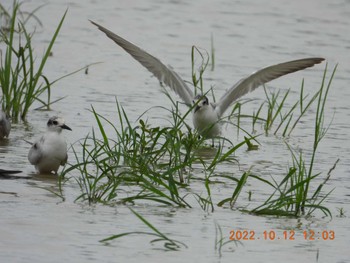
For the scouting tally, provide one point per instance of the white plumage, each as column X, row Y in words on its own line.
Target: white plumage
column 207, row 115
column 50, row 151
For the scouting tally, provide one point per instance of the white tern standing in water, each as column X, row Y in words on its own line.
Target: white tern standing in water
column 50, row 151
column 5, row 125
column 206, row 115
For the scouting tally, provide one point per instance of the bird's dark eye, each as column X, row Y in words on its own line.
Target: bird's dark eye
column 55, row 122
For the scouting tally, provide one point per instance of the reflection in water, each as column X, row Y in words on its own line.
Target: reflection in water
column 12, row 176
column 3, row 144
column 206, row 152
column 48, row 178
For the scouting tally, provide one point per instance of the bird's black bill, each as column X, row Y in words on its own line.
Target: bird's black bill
column 64, row 126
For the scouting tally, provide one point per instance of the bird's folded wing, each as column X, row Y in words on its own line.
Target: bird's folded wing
column 261, row 77
column 5, row 125
column 163, row 73
column 35, row 154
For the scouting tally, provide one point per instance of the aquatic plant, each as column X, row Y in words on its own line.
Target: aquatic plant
column 169, row 244
column 25, row 16
column 97, row 180
column 288, row 118
column 341, row 212
column 155, row 161
column 137, row 156
column 220, row 240
column 21, row 82
column 292, row 196
column 212, row 53
column 197, row 81
column 143, row 163
column 237, row 190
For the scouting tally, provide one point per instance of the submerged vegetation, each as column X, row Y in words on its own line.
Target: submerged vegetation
column 169, row 243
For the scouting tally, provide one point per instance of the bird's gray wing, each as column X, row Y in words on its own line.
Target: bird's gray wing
column 163, row 73
column 5, row 125
column 35, row 153
column 261, row 77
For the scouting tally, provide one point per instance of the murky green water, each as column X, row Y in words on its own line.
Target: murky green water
column 37, row 226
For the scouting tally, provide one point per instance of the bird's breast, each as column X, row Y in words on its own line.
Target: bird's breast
column 206, row 121
column 54, row 145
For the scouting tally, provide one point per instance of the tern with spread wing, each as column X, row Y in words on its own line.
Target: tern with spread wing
column 206, row 115
column 50, row 151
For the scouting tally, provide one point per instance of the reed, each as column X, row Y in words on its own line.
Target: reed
column 22, row 83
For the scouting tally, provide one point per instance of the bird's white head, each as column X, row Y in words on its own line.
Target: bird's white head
column 199, row 102
column 57, row 124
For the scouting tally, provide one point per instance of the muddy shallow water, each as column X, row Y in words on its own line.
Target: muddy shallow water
column 38, row 226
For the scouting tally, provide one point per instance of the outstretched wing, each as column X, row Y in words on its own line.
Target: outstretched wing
column 261, row 77
column 163, row 73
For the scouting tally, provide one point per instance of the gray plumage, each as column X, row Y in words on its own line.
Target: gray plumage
column 208, row 114
column 5, row 125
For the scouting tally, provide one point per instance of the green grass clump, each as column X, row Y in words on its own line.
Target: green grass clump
column 21, row 82
column 151, row 159
column 293, row 196
column 155, row 162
